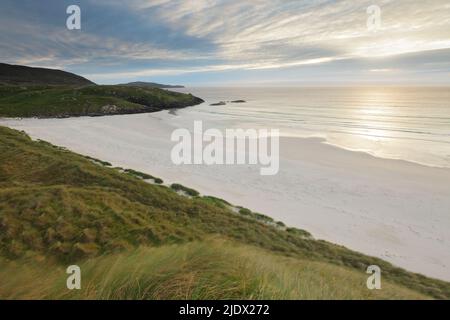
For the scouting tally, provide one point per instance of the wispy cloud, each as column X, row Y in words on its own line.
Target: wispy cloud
column 147, row 38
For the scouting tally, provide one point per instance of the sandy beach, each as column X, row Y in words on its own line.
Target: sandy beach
column 392, row 209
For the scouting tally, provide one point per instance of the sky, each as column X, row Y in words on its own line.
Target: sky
column 234, row 42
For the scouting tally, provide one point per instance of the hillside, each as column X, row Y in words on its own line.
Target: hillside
column 65, row 101
column 23, row 75
column 150, row 85
column 135, row 239
column 47, row 93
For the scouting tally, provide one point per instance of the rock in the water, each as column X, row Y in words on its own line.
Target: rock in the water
column 221, row 103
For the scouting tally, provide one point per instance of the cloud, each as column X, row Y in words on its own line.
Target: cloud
column 280, row 30
column 144, row 38
column 210, row 68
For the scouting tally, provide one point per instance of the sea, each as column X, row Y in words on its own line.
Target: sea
column 407, row 123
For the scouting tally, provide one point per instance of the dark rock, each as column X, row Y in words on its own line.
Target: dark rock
column 221, row 103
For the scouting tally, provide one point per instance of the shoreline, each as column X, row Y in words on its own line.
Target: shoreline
column 392, row 209
column 173, row 112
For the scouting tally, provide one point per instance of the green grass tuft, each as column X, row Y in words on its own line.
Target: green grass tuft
column 144, row 176
column 188, row 191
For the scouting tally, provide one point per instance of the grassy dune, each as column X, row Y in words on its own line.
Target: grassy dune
column 138, row 240
column 214, row 269
column 93, row 100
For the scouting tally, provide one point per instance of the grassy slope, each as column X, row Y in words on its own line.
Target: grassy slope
column 64, row 101
column 23, row 75
column 213, row 269
column 57, row 207
column 150, row 85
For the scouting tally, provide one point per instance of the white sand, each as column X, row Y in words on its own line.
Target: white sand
column 392, row 209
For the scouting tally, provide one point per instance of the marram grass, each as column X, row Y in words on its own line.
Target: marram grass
column 213, row 269
column 58, row 208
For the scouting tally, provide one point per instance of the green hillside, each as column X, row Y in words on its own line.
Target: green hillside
column 63, row 101
column 135, row 239
column 23, row 75
column 48, row 93
column 150, row 85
